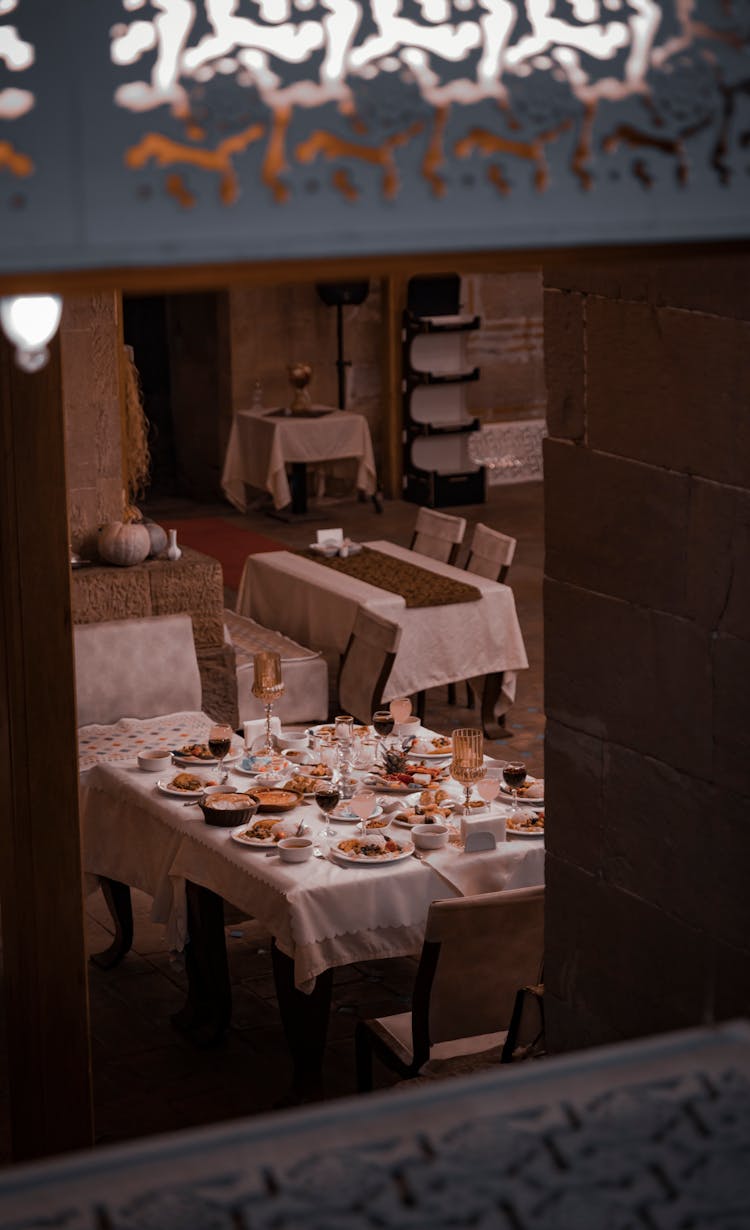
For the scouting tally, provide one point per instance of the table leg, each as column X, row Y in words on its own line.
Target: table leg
column 120, row 906
column 207, row 1013
column 298, row 486
column 305, row 1020
column 494, row 727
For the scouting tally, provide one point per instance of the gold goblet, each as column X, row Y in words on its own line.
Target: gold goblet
column 299, row 378
column 268, row 686
column 467, row 765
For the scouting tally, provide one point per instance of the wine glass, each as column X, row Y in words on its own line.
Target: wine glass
column 467, row 765
column 327, row 796
column 363, row 805
column 219, row 745
column 268, row 686
column 514, row 775
column 488, row 789
column 382, row 724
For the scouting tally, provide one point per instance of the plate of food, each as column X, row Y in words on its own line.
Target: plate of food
column 259, row 833
column 252, row 766
column 276, row 799
column 327, row 732
column 410, row 816
column 344, row 814
column 526, row 824
column 186, row 785
column 304, row 783
column 368, row 852
column 391, row 783
column 200, row 754
column 532, row 791
column 432, row 747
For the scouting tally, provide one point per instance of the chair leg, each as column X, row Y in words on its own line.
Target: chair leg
column 421, row 702
column 363, row 1058
column 451, row 693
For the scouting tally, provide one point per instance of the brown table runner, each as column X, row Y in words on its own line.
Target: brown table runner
column 418, row 586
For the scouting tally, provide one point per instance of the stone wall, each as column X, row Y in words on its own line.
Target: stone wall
column 90, row 337
column 508, row 349
column 647, row 616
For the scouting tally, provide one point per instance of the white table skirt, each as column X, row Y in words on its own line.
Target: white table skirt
column 322, row 914
column 439, row 644
column 260, row 447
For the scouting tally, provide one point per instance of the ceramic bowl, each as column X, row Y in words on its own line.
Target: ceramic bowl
column 293, row 743
column 226, row 808
column 429, row 836
column 295, row 849
column 154, row 762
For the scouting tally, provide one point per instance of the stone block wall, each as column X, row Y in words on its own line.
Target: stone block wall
column 647, row 617
column 90, row 339
column 509, row 347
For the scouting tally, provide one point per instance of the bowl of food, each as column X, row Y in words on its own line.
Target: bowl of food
column 227, row 808
column 429, row 836
column 152, row 762
column 295, row 849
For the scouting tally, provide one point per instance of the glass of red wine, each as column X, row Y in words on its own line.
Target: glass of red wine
column 382, row 724
column 219, row 745
column 327, row 796
column 514, row 776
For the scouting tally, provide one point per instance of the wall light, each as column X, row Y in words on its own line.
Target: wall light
column 29, row 322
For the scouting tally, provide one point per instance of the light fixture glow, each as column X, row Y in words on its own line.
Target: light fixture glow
column 29, row 323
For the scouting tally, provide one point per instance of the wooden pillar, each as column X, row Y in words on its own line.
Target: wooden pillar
column 45, row 989
column 394, row 302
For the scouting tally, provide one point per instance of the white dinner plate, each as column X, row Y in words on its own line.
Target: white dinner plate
column 409, row 824
column 240, row 835
column 416, row 752
column 383, row 787
column 532, row 801
column 348, row 817
column 175, row 793
column 376, row 860
column 537, row 831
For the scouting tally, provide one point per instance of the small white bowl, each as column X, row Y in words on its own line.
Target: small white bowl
column 293, row 743
column 154, row 762
column 295, row 849
column 429, row 836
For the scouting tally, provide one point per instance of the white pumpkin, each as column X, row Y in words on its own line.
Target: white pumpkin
column 158, row 538
column 124, row 543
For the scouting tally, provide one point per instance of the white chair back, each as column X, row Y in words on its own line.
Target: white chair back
column 367, row 663
column 491, row 553
column 137, row 668
column 438, row 535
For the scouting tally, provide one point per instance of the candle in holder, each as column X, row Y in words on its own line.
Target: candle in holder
column 467, row 765
column 268, row 686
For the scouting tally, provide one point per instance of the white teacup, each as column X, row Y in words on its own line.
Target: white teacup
column 295, row 849
column 429, row 836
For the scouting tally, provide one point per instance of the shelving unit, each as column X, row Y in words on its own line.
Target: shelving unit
column 436, row 424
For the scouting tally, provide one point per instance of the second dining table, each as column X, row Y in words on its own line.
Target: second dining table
column 441, row 643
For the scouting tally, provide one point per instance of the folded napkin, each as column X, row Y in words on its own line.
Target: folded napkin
column 511, row 865
column 256, row 730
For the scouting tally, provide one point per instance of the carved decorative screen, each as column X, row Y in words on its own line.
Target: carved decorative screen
column 159, row 131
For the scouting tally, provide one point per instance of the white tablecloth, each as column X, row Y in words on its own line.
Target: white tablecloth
column 260, row 446
column 440, row 644
column 322, row 914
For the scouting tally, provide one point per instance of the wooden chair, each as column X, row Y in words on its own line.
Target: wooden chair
column 438, row 535
column 367, row 663
column 490, row 555
column 478, row 952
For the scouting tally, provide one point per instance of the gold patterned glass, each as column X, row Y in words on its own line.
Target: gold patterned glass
column 467, row 765
column 268, row 686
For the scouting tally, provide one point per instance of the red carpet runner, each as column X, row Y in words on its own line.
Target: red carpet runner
column 227, row 542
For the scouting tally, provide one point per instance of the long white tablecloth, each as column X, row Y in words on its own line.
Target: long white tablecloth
column 322, row 914
column 260, row 446
column 439, row 644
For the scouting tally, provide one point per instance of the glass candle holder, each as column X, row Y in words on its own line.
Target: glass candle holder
column 467, row 764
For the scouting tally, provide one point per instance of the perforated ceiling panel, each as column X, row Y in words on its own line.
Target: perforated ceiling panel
column 200, row 130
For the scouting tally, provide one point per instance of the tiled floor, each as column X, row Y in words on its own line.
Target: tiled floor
column 147, row 1078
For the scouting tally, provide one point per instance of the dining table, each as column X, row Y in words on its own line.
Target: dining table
column 442, row 642
column 323, row 913
column 264, row 441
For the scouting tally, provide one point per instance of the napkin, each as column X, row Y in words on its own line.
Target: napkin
column 334, row 537
column 257, row 729
column 485, row 822
column 509, row 866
